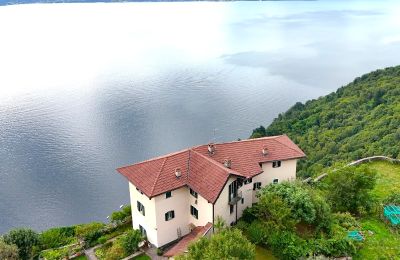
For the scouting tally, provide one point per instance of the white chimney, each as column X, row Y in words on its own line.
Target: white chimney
column 265, row 151
column 178, row 172
column 211, row 148
column 228, row 163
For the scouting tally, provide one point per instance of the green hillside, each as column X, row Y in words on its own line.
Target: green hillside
column 358, row 120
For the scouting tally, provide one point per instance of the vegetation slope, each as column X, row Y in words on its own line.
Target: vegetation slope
column 358, row 120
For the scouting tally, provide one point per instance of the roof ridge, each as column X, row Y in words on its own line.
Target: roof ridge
column 287, row 145
column 156, row 158
column 229, row 171
column 158, row 175
column 245, row 140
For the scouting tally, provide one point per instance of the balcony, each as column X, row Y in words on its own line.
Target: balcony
column 235, row 199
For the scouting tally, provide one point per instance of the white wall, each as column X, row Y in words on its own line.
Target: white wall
column 286, row 172
column 148, row 221
column 167, row 231
column 204, row 209
column 159, row 231
column 221, row 207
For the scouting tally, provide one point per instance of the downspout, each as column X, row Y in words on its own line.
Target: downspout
column 213, row 218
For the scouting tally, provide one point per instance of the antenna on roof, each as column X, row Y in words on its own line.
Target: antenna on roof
column 214, row 134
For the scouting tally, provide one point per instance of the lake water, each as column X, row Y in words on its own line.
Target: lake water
column 85, row 88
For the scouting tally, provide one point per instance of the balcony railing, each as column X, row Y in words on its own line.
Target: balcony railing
column 235, row 199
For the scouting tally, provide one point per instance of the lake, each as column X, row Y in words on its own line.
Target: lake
column 86, row 88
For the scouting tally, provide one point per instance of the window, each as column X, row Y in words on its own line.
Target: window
column 194, row 212
column 168, row 194
column 232, row 190
column 231, row 209
column 169, row 215
column 257, row 186
column 194, row 194
column 276, row 164
column 140, row 208
column 239, row 183
column 275, row 181
column 242, row 200
column 247, row 181
column 143, row 231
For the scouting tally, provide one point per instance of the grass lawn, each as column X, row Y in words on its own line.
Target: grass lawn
column 82, row 257
column 264, row 254
column 384, row 243
column 142, row 257
column 388, row 178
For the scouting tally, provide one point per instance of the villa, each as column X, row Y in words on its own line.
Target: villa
column 186, row 191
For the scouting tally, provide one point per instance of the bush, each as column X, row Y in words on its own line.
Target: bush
column 257, row 232
column 102, row 240
column 85, row 229
column 228, row 244
column 56, row 254
column 130, row 241
column 250, row 213
column 8, row 252
column 56, row 237
column 287, row 245
column 24, row 239
column 120, row 216
column 116, row 252
column 160, row 252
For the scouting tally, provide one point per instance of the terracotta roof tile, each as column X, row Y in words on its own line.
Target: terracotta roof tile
column 204, row 172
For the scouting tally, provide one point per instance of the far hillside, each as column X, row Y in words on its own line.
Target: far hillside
column 358, row 120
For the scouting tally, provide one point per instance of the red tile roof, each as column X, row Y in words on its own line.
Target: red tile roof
column 181, row 247
column 205, row 172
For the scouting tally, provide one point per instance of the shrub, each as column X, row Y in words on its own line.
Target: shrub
column 84, row 229
column 116, row 252
column 130, row 241
column 24, row 239
column 56, row 237
column 56, row 254
column 102, row 240
column 257, row 232
column 8, row 252
column 250, row 213
column 287, row 245
column 228, row 244
column 160, row 252
column 345, row 220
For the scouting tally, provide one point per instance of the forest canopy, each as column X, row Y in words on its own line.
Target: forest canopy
column 358, row 120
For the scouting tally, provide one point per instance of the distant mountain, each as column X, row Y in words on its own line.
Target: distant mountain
column 358, row 120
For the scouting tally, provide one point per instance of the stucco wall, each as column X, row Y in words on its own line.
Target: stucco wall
column 204, row 209
column 286, row 172
column 148, row 221
column 221, row 207
column 159, row 231
column 167, row 231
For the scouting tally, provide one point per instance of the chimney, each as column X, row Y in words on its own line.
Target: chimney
column 178, row 172
column 265, row 151
column 211, row 148
column 228, row 163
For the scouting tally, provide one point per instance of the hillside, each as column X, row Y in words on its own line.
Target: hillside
column 358, row 120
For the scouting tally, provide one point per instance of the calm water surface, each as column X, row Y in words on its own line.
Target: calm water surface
column 85, row 88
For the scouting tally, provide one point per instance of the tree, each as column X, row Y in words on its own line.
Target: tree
column 24, row 239
column 258, row 132
column 8, row 252
column 219, row 224
column 228, row 244
column 130, row 242
column 349, row 189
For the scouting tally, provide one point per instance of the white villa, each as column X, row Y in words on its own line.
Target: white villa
column 176, row 193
